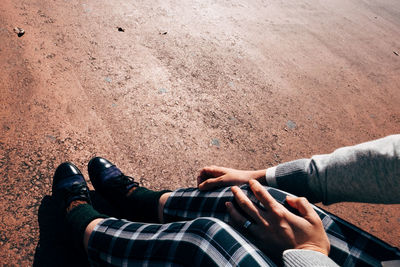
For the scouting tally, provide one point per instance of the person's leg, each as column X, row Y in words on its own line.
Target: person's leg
column 71, row 194
column 134, row 202
column 349, row 244
column 190, row 203
column 200, row 242
column 138, row 203
column 161, row 204
column 88, row 232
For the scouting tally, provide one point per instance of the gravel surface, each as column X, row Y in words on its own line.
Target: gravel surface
column 163, row 89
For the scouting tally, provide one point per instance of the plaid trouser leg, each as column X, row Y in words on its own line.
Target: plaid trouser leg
column 350, row 246
column 200, row 242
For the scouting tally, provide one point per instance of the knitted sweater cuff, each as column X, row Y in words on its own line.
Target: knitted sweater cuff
column 292, row 177
column 302, row 257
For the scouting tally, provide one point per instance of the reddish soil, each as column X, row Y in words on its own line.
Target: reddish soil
column 244, row 84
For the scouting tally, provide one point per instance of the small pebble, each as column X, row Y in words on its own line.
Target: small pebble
column 162, row 91
column 51, row 137
column 19, row 31
column 215, row 142
column 291, row 125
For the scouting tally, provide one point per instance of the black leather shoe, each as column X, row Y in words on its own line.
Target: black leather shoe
column 113, row 185
column 109, row 181
column 69, row 185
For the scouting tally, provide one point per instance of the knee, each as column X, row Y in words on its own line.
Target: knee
column 212, row 228
column 205, row 223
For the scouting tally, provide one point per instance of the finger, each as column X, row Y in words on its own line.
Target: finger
column 211, row 183
column 203, row 175
column 209, row 172
column 303, row 206
column 245, row 203
column 262, row 195
column 237, row 219
column 201, row 178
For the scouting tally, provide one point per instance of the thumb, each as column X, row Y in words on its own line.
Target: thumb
column 302, row 205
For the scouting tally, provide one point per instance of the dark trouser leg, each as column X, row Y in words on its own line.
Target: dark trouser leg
column 200, row 242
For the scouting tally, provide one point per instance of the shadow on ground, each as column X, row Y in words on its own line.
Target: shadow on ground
column 54, row 247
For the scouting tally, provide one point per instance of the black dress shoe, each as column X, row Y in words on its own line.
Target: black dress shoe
column 114, row 186
column 69, row 185
column 109, row 181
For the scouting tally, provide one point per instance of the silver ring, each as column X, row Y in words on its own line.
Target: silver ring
column 247, row 224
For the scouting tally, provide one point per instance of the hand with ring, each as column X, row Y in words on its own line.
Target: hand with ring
column 213, row 177
column 276, row 229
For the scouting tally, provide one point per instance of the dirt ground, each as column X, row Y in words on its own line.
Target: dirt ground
column 244, row 84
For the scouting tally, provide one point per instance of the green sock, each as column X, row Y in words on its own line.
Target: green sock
column 78, row 219
column 142, row 205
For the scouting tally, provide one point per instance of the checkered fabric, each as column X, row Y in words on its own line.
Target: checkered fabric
column 199, row 242
column 350, row 246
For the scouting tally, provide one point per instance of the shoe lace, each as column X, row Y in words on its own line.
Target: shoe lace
column 123, row 181
column 77, row 190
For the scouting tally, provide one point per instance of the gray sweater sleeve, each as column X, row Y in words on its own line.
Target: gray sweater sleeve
column 309, row 258
column 368, row 172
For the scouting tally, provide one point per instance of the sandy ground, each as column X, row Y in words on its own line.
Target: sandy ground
column 245, row 84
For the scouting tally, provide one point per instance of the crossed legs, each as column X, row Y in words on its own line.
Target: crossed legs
column 111, row 241
column 189, row 205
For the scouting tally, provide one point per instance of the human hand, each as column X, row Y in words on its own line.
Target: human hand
column 212, row 177
column 276, row 229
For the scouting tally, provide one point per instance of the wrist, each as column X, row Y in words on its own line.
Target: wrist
column 259, row 175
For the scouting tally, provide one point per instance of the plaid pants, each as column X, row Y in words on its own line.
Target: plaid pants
column 198, row 235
